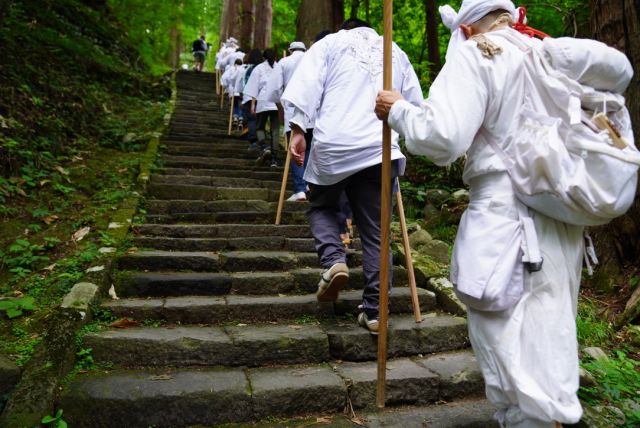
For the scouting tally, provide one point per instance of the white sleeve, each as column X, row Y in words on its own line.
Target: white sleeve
column 444, row 125
column 306, row 86
column 275, row 85
column 252, row 88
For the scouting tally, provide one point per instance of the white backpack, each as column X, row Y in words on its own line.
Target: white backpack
column 571, row 154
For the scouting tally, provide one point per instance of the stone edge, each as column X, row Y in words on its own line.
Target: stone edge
column 54, row 358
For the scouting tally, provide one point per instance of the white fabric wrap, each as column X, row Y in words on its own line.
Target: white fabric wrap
column 470, row 12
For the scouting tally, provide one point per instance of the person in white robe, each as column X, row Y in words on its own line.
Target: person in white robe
column 229, row 80
column 278, row 81
column 264, row 110
column 527, row 350
column 335, row 85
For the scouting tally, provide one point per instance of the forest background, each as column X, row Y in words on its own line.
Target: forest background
column 84, row 86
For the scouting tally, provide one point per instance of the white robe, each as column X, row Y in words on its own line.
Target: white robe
column 337, row 82
column 278, row 81
column 528, row 353
column 257, row 85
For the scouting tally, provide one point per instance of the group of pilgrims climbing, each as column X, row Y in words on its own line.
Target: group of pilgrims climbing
column 515, row 266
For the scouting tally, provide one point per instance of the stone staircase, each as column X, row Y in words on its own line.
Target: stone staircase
column 230, row 330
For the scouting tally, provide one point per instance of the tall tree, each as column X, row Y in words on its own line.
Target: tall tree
column 355, row 4
column 616, row 22
column 175, row 34
column 431, row 31
column 318, row 15
column 264, row 21
column 246, row 33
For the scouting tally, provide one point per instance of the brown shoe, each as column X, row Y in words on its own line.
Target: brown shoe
column 332, row 281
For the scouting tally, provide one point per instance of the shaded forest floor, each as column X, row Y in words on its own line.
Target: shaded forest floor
column 77, row 108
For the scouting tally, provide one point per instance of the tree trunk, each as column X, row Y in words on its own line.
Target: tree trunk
column 224, row 21
column 175, row 36
column 315, row 16
column 235, row 19
column 616, row 22
column 264, row 17
column 355, row 4
column 431, row 31
column 246, row 36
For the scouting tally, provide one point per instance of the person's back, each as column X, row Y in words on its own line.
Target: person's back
column 350, row 65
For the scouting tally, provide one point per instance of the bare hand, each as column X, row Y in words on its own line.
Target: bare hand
column 298, row 146
column 384, row 102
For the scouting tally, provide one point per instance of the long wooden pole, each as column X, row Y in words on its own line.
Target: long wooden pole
column 285, row 175
column 385, row 214
column 221, row 97
column 231, row 115
column 408, row 259
column 217, row 82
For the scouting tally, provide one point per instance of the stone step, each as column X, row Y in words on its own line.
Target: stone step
column 255, row 345
column 185, row 397
column 185, row 206
column 199, row 162
column 219, row 181
column 304, row 280
column 215, row 310
column 264, row 175
column 211, row 193
column 254, row 217
column 222, row 230
column 267, row 243
column 208, row 152
column 230, row 261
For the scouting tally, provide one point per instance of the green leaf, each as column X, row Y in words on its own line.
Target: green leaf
column 61, row 424
column 48, row 419
column 13, row 312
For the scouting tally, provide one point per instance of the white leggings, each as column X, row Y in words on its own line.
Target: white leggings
column 529, row 353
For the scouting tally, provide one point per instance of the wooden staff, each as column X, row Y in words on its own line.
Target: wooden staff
column 231, row 115
column 285, row 175
column 385, row 214
column 217, row 82
column 221, row 98
column 408, row 260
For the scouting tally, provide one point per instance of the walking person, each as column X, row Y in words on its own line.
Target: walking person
column 525, row 337
column 199, row 48
column 278, row 81
column 264, row 110
column 335, row 85
column 254, row 58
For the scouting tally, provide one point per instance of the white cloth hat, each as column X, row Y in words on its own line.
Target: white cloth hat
column 470, row 12
column 297, row 45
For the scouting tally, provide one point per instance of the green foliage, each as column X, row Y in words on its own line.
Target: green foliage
column 84, row 359
column 592, row 329
column 618, row 383
column 55, row 421
column 15, row 307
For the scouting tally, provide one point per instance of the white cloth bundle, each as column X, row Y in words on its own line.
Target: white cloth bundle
column 470, row 12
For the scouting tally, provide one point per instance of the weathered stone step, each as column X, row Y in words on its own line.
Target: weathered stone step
column 222, row 230
column 214, row 310
column 267, row 243
column 255, row 217
column 260, row 345
column 211, row 193
column 154, row 284
column 184, row 206
column 199, row 162
column 218, row 181
column 184, row 397
column 230, row 261
column 208, row 152
column 275, row 176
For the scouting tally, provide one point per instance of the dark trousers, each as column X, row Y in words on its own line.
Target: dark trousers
column 274, row 123
column 297, row 172
column 363, row 192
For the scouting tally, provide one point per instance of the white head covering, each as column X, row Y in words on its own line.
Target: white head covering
column 470, row 12
column 297, row 45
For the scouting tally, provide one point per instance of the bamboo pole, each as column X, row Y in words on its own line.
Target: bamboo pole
column 385, row 214
column 408, row 259
column 231, row 115
column 285, row 175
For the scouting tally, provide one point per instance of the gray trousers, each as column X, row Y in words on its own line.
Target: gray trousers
column 363, row 191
